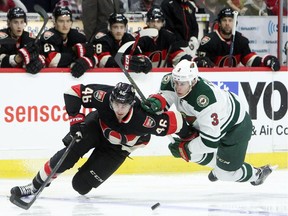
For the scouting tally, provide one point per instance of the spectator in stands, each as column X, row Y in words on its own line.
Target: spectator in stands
column 181, row 19
column 124, row 6
column 212, row 7
column 95, row 14
column 255, row 8
column 164, row 49
column 273, row 7
column 71, row 4
column 235, row 5
column 107, row 46
column 22, row 51
column 5, row 5
column 216, row 46
column 143, row 5
column 47, row 5
column 64, row 46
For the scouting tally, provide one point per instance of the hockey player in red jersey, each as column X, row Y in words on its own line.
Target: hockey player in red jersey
column 64, row 46
column 165, row 49
column 117, row 127
column 24, row 52
column 216, row 46
column 107, row 45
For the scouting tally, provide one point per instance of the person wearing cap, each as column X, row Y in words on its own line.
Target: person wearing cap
column 217, row 44
column 64, row 46
column 22, row 50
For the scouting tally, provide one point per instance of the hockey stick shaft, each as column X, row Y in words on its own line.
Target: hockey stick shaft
column 235, row 15
column 167, row 56
column 45, row 17
column 135, row 44
column 118, row 59
column 26, row 205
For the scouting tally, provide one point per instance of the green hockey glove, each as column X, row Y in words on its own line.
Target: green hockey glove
column 180, row 149
column 152, row 105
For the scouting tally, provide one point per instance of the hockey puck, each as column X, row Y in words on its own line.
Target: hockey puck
column 155, row 206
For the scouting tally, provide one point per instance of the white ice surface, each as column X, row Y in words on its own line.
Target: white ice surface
column 179, row 195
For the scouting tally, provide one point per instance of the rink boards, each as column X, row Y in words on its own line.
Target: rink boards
column 33, row 119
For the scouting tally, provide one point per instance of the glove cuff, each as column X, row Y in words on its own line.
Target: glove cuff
column 89, row 61
column 79, row 118
column 184, row 151
column 25, row 55
column 80, row 50
column 161, row 100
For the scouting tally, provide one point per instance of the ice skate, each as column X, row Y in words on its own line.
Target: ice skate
column 23, row 191
column 262, row 173
column 212, row 177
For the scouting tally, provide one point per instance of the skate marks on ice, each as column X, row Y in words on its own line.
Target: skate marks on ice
column 187, row 194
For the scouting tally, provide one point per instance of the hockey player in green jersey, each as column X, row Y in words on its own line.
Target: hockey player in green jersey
column 222, row 127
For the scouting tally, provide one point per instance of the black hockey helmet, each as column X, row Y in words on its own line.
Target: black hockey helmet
column 155, row 13
column 123, row 93
column 15, row 13
column 62, row 11
column 117, row 18
column 225, row 12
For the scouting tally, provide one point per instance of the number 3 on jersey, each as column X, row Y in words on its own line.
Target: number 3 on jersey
column 215, row 120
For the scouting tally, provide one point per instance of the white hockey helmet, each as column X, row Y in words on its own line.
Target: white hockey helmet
column 185, row 71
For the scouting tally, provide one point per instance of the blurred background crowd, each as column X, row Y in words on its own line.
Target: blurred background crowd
column 244, row 7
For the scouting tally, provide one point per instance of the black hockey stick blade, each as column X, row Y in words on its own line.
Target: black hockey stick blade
column 26, row 205
column 7, row 41
column 45, row 17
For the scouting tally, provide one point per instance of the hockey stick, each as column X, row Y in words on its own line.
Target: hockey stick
column 167, row 56
column 118, row 57
column 26, row 205
column 45, row 17
column 152, row 32
column 235, row 14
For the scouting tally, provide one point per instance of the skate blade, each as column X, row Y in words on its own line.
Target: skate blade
column 273, row 167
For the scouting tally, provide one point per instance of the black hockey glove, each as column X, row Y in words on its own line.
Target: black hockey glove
column 29, row 52
column 137, row 63
column 36, row 65
column 84, row 49
column 204, row 62
column 77, row 125
column 81, row 65
column 272, row 62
